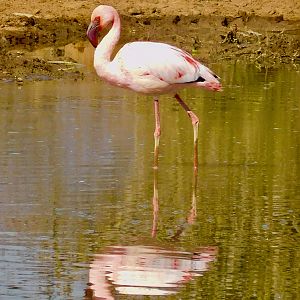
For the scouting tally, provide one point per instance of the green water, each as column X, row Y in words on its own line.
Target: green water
column 80, row 201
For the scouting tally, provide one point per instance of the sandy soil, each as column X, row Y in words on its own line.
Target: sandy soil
column 263, row 32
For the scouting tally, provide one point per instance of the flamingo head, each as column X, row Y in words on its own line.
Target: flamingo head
column 102, row 16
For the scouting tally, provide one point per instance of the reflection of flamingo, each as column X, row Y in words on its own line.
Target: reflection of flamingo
column 142, row 270
column 147, row 67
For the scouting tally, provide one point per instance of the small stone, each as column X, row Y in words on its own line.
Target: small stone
column 135, row 12
column 20, row 80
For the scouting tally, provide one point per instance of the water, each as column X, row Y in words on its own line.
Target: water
column 83, row 212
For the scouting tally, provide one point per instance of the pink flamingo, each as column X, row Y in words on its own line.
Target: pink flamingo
column 147, row 67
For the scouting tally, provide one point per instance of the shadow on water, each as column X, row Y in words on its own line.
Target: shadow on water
column 79, row 198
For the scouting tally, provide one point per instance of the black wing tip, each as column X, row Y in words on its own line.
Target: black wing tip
column 199, row 79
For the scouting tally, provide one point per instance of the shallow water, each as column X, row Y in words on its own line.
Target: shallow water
column 84, row 213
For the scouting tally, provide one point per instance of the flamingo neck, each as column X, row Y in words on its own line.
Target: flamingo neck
column 105, row 48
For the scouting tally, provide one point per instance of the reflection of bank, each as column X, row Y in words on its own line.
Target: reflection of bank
column 141, row 270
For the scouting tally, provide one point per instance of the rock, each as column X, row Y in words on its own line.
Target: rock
column 20, row 80
column 23, row 15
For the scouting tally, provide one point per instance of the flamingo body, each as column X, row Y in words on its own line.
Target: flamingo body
column 156, row 68
column 147, row 67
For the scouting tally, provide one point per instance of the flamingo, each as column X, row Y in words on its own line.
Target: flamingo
column 151, row 68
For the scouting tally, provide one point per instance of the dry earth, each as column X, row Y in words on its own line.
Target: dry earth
column 263, row 32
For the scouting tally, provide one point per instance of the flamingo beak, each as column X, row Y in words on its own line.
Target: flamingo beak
column 92, row 33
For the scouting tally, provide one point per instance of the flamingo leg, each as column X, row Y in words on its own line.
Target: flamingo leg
column 195, row 123
column 156, row 132
column 155, row 204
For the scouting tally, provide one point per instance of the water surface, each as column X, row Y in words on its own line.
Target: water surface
column 81, row 203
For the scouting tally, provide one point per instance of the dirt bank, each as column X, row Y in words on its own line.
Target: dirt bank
column 264, row 32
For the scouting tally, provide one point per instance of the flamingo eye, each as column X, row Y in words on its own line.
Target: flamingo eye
column 97, row 21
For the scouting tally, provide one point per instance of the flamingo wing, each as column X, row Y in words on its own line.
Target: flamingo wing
column 165, row 62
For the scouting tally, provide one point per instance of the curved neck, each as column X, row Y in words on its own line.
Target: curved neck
column 105, row 48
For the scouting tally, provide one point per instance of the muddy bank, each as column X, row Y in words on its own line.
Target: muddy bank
column 267, row 41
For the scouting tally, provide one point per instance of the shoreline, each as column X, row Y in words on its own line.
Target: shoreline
column 267, row 41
